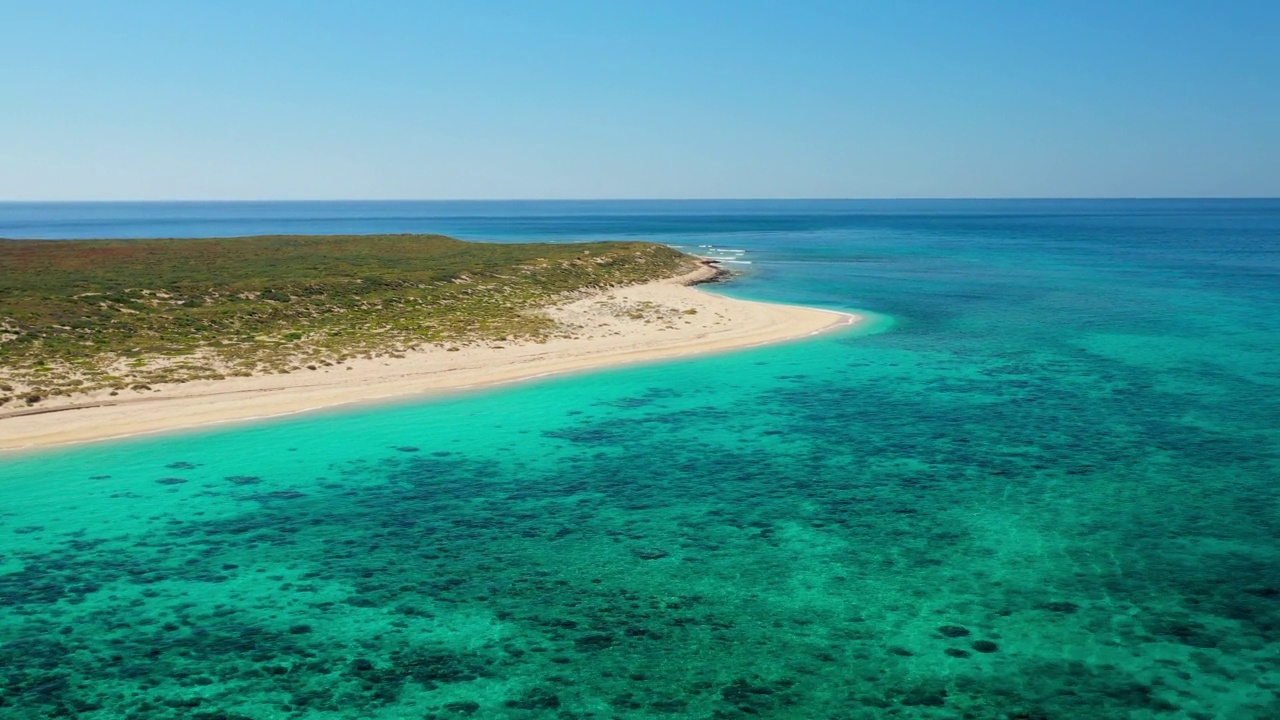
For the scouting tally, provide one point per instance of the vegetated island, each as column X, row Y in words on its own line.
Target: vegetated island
column 145, row 335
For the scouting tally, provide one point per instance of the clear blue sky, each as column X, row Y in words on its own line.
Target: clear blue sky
column 272, row 99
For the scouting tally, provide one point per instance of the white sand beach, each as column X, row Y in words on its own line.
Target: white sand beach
column 654, row 321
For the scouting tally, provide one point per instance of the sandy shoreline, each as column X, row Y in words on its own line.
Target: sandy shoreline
column 658, row 320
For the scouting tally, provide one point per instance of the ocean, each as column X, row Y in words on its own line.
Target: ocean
column 1043, row 484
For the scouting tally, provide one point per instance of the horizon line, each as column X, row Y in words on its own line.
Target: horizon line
column 652, row 199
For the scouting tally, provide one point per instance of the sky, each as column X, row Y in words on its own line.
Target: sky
column 423, row 99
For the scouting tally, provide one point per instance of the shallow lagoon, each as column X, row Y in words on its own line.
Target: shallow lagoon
column 1047, row 489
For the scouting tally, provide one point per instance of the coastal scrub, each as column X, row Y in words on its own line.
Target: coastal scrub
column 80, row 316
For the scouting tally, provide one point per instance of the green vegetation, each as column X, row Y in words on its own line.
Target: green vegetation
column 79, row 316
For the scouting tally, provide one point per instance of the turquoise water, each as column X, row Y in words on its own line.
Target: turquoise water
column 1044, row 486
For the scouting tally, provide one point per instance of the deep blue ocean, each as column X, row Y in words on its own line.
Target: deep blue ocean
column 1046, row 486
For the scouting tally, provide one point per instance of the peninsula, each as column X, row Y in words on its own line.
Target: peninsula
column 102, row 339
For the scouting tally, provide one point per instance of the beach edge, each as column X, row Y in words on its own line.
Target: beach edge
column 609, row 335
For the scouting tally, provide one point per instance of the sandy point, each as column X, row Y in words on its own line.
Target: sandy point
column 654, row 321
